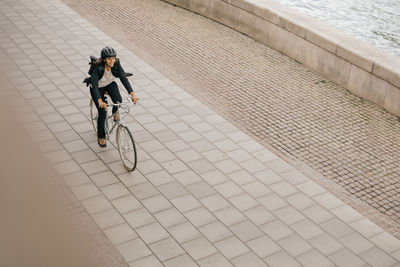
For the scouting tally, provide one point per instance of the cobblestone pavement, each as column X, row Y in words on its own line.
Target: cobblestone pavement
column 204, row 193
column 311, row 122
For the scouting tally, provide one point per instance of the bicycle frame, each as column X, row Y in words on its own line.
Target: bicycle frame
column 115, row 124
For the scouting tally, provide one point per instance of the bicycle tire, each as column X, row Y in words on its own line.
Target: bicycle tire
column 126, row 147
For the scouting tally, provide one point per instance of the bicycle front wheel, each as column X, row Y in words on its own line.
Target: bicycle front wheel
column 126, row 148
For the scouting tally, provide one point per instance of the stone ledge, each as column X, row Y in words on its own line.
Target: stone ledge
column 319, row 46
column 388, row 69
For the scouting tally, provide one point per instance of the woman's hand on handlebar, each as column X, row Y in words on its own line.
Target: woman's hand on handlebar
column 102, row 104
column 134, row 98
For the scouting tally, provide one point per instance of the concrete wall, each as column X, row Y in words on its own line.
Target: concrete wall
column 363, row 69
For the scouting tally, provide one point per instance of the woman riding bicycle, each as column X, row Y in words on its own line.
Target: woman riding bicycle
column 106, row 69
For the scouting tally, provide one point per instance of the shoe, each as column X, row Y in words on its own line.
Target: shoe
column 102, row 145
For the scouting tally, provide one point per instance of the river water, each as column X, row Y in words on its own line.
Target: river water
column 374, row 21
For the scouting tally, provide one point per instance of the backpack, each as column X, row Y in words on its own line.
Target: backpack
column 92, row 61
column 92, row 64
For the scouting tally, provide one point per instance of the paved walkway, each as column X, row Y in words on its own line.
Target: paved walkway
column 205, row 193
column 321, row 127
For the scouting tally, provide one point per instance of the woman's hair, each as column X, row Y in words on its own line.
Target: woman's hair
column 102, row 61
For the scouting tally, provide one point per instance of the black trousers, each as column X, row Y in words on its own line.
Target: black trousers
column 113, row 92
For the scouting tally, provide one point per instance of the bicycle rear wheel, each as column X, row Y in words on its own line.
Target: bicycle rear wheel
column 126, row 148
column 93, row 115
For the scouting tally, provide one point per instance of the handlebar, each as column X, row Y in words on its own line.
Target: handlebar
column 120, row 104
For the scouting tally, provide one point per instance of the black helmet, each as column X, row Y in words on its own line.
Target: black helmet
column 108, row 52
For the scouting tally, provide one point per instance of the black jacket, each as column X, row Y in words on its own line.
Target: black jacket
column 98, row 73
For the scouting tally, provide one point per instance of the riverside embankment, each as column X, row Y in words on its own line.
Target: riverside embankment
column 357, row 66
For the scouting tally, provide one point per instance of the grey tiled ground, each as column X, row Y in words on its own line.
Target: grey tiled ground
column 352, row 144
column 204, row 192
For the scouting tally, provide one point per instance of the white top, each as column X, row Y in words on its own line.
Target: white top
column 106, row 79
